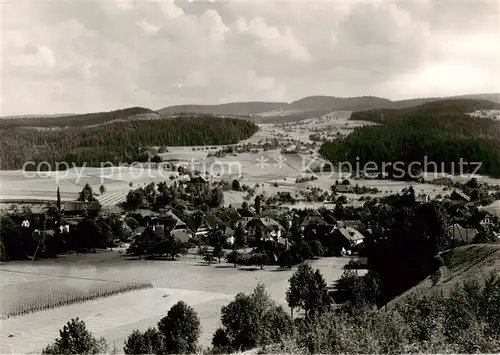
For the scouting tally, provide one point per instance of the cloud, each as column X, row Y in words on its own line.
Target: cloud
column 89, row 56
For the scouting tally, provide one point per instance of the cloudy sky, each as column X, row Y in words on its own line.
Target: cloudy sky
column 93, row 55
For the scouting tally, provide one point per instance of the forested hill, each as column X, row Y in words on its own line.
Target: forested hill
column 439, row 131
column 433, row 108
column 117, row 142
column 86, row 119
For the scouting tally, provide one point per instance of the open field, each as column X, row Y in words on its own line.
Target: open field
column 206, row 288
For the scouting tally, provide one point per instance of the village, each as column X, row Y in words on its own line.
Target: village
column 259, row 231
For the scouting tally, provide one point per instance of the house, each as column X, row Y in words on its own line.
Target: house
column 343, row 240
column 213, row 222
column 203, row 229
column 76, row 208
column 486, row 221
column 233, row 215
column 423, row 198
column 171, row 220
column 270, row 228
column 318, row 232
column 145, row 212
column 345, row 189
column 112, row 210
column 168, row 219
column 209, row 223
column 462, row 235
column 64, row 228
column 458, row 195
column 246, row 214
column 313, row 221
column 160, row 231
column 329, row 219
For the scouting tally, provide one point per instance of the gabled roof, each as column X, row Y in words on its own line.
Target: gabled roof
column 126, row 228
column 351, row 234
column 245, row 212
column 228, row 232
column 213, row 221
column 181, row 236
column 145, row 212
column 198, row 178
column 271, row 223
column 112, row 209
column 173, row 216
column 462, row 194
column 313, row 220
column 344, row 188
column 233, row 214
column 329, row 219
column 267, row 222
column 77, row 206
column 320, row 229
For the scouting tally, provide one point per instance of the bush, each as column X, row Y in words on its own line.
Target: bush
column 180, row 329
column 236, row 185
column 149, row 342
column 236, row 257
column 308, row 291
column 251, row 321
column 357, row 290
column 75, row 338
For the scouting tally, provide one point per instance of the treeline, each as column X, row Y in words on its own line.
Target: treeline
column 430, row 108
column 441, row 137
column 118, row 142
column 85, row 119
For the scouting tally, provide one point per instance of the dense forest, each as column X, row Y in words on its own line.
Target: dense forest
column 86, row 119
column 435, row 132
column 431, row 108
column 117, row 142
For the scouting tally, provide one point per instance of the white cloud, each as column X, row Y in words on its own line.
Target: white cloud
column 90, row 56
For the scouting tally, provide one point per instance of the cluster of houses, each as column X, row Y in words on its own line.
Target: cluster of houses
column 313, row 227
column 271, row 224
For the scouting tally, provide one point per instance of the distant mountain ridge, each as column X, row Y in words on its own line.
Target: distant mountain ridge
column 310, row 104
column 259, row 111
column 229, row 109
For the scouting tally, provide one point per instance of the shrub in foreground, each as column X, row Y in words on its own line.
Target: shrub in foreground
column 177, row 333
column 251, row 321
column 464, row 321
column 180, row 329
column 75, row 338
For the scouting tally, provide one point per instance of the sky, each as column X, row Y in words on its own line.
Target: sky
column 96, row 55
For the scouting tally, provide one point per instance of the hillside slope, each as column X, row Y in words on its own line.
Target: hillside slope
column 439, row 132
column 460, row 264
column 117, row 142
column 451, row 106
column 79, row 120
column 229, row 109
